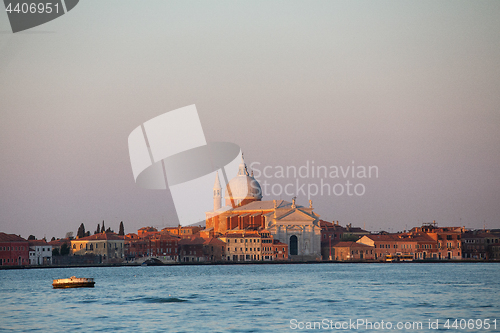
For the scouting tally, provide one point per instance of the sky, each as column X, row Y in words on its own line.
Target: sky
column 410, row 87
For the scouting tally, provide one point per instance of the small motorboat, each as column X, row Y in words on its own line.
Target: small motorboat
column 74, row 282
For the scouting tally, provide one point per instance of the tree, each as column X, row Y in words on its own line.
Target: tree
column 64, row 249
column 103, row 228
column 98, row 230
column 121, row 232
column 31, row 237
column 81, row 231
column 52, row 239
column 55, row 251
column 87, row 233
column 109, row 230
column 69, row 235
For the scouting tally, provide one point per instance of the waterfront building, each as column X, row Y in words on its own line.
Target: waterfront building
column 183, row 232
column 40, row 252
column 345, row 251
column 495, row 251
column 197, row 249
column 144, row 231
column 163, row 245
column 296, row 226
column 14, row 250
column 448, row 240
column 479, row 244
column 332, row 233
column 279, row 251
column 58, row 243
column 243, row 245
column 388, row 244
column 416, row 245
column 267, row 249
column 135, row 247
column 109, row 246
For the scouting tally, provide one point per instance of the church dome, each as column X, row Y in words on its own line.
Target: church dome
column 242, row 187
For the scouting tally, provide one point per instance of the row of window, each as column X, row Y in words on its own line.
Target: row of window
column 247, row 240
column 246, row 249
column 91, row 246
column 44, row 249
column 481, row 240
column 13, row 261
column 167, row 250
column 33, row 254
column 404, row 246
column 360, row 252
column 14, row 248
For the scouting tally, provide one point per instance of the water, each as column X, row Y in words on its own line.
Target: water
column 248, row 298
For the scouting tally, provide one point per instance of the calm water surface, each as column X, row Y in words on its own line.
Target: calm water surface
column 243, row 298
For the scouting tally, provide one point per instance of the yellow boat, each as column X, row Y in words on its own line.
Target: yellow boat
column 74, row 282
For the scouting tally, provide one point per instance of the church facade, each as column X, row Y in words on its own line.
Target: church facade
column 244, row 210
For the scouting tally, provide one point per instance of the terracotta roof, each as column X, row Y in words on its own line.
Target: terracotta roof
column 352, row 244
column 59, row 242
column 38, row 242
column 469, row 235
column 192, row 241
column 102, row 236
column 214, row 241
column 383, row 238
column 165, row 235
column 10, row 238
column 251, row 234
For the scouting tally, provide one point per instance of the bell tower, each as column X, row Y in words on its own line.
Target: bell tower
column 217, row 193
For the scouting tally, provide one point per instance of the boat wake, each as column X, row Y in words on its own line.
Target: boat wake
column 158, row 300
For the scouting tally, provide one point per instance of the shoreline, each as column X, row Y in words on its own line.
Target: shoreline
column 252, row 263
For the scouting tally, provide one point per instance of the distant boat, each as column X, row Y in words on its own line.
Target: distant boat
column 74, row 282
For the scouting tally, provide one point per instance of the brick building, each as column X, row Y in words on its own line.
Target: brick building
column 418, row 246
column 197, row 249
column 479, row 244
column 344, row 251
column 164, row 245
column 448, row 240
column 183, row 232
column 280, row 250
column 332, row 233
column 14, row 250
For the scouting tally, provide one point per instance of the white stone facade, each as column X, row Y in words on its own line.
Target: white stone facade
column 299, row 228
column 40, row 254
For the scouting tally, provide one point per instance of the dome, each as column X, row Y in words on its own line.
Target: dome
column 243, row 187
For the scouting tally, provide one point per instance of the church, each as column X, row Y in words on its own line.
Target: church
column 244, row 210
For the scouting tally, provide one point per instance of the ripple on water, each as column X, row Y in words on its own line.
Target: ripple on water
column 158, row 300
column 243, row 299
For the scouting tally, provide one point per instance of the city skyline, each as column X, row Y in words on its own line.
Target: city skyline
column 411, row 88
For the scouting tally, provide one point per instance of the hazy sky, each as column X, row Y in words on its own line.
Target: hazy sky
column 412, row 87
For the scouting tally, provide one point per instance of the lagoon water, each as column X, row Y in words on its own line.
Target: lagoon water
column 250, row 298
